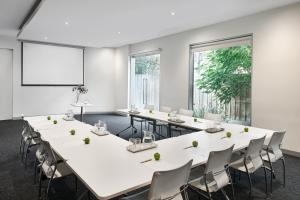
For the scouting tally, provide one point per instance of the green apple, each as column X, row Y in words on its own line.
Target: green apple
column 49, row 117
column 151, row 111
column 72, row 131
column 169, row 114
column 55, row 122
column 246, row 129
column 195, row 119
column 156, row 156
column 86, row 140
column 228, row 134
column 195, row 143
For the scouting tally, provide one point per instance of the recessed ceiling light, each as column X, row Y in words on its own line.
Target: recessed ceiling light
column 66, row 23
column 119, row 32
column 45, row 38
column 173, row 13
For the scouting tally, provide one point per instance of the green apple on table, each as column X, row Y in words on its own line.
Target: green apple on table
column 87, row 140
column 195, row 143
column 72, row 132
column 228, row 134
column 157, row 156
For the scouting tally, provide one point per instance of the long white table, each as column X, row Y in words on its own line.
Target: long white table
column 109, row 170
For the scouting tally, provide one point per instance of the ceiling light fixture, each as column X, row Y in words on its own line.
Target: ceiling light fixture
column 66, row 23
column 173, row 13
column 119, row 32
column 45, row 38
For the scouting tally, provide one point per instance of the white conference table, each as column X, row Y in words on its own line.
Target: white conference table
column 109, row 170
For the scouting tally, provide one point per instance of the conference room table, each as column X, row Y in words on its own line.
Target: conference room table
column 108, row 169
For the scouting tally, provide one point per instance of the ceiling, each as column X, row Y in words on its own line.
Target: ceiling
column 113, row 23
column 12, row 14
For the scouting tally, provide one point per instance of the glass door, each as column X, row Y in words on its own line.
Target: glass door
column 144, row 80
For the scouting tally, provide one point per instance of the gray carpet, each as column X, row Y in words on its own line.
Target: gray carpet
column 16, row 182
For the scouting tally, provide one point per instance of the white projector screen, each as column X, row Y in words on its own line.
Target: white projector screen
column 46, row 65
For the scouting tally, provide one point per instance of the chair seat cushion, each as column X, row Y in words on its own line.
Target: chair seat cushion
column 138, row 196
column 272, row 157
column 200, row 184
column 237, row 162
column 62, row 170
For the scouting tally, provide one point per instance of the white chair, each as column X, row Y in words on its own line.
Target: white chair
column 166, row 185
column 184, row 112
column 251, row 161
column 216, row 174
column 161, row 124
column 147, row 107
column 29, row 139
column 52, row 168
column 213, row 116
column 272, row 153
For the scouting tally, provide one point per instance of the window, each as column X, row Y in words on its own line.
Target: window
column 144, row 80
column 220, row 78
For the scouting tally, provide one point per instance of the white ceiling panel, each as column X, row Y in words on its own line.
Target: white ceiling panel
column 112, row 23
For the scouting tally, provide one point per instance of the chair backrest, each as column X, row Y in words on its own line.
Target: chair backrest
column 149, row 107
column 213, row 116
column 165, row 109
column 49, row 156
column 275, row 143
column 217, row 165
column 186, row 112
column 253, row 153
column 167, row 183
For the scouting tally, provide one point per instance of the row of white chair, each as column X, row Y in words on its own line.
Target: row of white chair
column 172, row 184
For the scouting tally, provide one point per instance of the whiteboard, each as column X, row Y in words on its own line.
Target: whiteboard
column 44, row 64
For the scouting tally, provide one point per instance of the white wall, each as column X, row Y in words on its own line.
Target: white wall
column 276, row 67
column 121, row 76
column 6, row 62
column 99, row 76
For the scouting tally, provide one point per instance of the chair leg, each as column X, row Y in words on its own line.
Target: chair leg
column 23, row 150
column 76, row 183
column 21, row 144
column 250, row 182
column 232, row 188
column 35, row 170
column 40, row 184
column 272, row 172
column 26, row 155
column 266, row 179
column 284, row 175
column 224, row 193
column 48, row 188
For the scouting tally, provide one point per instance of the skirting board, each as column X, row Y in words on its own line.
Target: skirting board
column 291, row 153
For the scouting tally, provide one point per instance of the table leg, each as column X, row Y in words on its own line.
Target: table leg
column 130, row 126
column 81, row 113
column 169, row 130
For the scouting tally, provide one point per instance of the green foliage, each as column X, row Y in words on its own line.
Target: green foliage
column 226, row 72
column 146, row 64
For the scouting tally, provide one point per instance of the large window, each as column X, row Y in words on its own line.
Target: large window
column 144, row 80
column 221, row 78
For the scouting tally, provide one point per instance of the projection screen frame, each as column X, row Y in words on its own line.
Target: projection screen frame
column 53, row 44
